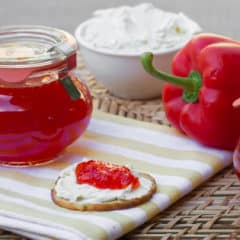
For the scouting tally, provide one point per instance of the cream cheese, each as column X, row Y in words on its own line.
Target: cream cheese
column 134, row 30
column 67, row 188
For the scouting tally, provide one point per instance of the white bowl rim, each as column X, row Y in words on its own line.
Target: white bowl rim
column 82, row 42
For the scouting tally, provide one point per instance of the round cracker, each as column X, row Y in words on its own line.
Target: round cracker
column 106, row 206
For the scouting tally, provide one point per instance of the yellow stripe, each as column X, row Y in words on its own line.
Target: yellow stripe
column 88, row 228
column 193, row 176
column 173, row 192
column 36, row 200
column 136, row 123
column 151, row 209
column 213, row 162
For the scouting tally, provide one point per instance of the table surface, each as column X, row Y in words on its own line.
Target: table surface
column 218, row 16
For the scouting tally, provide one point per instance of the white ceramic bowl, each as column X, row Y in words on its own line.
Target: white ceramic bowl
column 123, row 75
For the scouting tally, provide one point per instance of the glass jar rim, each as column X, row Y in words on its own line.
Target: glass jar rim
column 30, row 46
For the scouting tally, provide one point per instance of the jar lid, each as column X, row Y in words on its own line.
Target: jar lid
column 25, row 49
column 34, row 46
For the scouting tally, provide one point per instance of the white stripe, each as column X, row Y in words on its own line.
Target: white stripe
column 112, row 227
column 155, row 137
column 45, row 171
column 32, row 236
column 57, row 233
column 27, row 234
column 183, row 184
column 25, row 221
column 161, row 200
column 204, row 169
column 19, row 187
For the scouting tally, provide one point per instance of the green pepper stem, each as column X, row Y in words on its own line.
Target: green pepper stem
column 190, row 84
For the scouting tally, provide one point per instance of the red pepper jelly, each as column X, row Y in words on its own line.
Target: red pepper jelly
column 105, row 175
column 44, row 106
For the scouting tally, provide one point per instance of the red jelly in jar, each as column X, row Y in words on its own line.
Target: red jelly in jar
column 44, row 107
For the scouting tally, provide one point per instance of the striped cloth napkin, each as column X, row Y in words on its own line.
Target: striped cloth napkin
column 177, row 163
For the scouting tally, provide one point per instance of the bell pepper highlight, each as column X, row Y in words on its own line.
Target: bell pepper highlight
column 236, row 103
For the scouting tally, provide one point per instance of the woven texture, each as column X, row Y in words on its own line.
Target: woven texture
column 210, row 212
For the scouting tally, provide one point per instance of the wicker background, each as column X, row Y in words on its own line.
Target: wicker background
column 210, row 212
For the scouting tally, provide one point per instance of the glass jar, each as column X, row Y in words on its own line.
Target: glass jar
column 44, row 106
column 236, row 159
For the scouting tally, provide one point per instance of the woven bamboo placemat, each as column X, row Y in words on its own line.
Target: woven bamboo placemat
column 212, row 211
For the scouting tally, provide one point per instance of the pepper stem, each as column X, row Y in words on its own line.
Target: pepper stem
column 190, row 84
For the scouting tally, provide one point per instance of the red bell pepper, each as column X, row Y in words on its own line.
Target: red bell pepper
column 198, row 99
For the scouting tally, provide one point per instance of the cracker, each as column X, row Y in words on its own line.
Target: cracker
column 106, row 206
